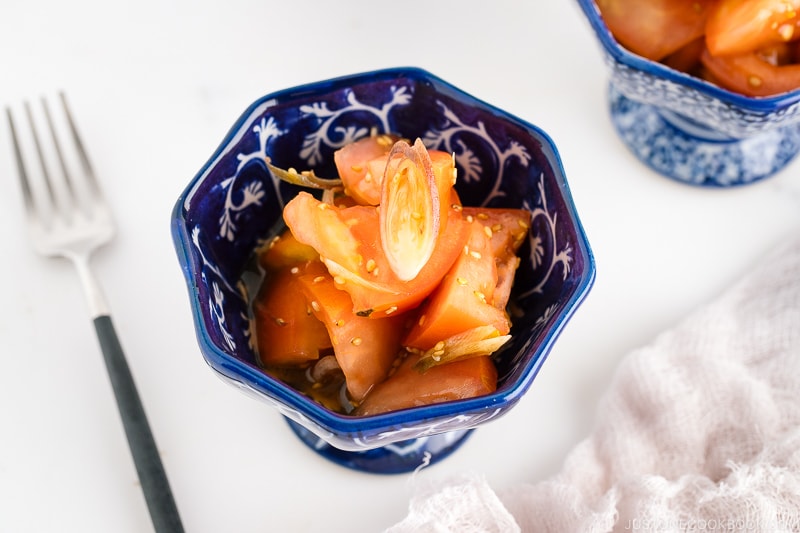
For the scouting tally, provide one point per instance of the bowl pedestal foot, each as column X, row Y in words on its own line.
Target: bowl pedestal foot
column 682, row 149
column 396, row 458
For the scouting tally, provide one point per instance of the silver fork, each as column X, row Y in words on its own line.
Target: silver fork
column 70, row 218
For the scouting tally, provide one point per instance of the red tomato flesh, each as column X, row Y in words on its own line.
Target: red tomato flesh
column 407, row 289
column 407, row 387
column 348, row 240
column 287, row 333
column 508, row 229
column 655, row 28
column 360, row 165
column 742, row 26
column 750, row 74
column 365, row 349
column 464, row 298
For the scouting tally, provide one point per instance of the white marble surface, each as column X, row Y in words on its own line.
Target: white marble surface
column 155, row 86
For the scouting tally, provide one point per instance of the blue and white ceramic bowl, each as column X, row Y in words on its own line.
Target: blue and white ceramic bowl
column 692, row 130
column 233, row 205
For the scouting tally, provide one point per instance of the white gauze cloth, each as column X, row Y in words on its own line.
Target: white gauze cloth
column 699, row 431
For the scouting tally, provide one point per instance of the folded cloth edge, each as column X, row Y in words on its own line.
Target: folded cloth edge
column 697, row 428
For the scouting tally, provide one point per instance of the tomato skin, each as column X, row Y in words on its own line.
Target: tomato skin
column 496, row 235
column 360, row 165
column 348, row 239
column 286, row 332
column 407, row 387
column 741, row 26
column 655, row 28
column 464, row 298
column 750, row 75
column 509, row 227
column 365, row 349
column 320, row 226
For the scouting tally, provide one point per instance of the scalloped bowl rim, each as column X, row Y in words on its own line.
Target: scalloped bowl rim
column 345, row 424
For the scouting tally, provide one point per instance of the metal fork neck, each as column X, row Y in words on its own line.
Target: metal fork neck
column 95, row 298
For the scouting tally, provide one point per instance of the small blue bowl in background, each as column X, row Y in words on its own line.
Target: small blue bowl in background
column 689, row 129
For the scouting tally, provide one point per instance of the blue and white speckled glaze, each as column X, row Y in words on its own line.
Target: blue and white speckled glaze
column 234, row 204
column 689, row 129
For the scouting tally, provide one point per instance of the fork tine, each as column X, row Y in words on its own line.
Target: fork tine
column 65, row 174
column 27, row 193
column 82, row 155
column 42, row 160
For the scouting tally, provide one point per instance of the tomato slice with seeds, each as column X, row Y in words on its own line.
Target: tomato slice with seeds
column 365, row 349
column 743, row 26
column 508, row 228
column 655, row 28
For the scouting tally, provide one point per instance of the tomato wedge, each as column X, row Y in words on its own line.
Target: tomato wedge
column 742, row 26
column 750, row 74
column 365, row 349
column 287, row 333
column 507, row 229
column 407, row 387
column 464, row 298
column 655, row 28
column 361, row 165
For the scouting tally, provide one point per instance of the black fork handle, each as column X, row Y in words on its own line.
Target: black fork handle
column 153, row 478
